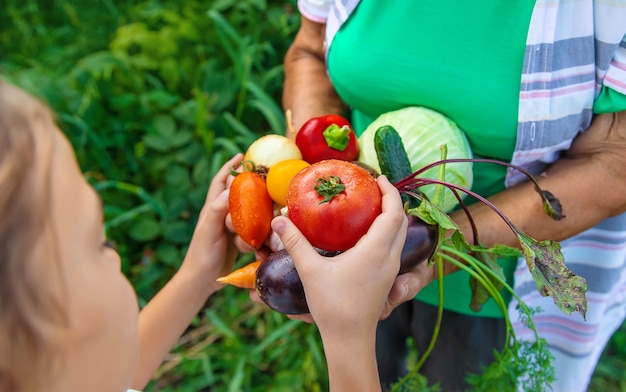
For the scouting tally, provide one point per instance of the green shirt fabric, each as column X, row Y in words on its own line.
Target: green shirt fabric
column 452, row 63
column 461, row 59
column 609, row 101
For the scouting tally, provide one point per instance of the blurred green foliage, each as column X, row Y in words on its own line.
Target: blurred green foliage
column 155, row 96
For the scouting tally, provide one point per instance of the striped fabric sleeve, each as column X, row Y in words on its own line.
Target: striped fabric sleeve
column 558, row 89
column 315, row 10
column 615, row 77
column 599, row 255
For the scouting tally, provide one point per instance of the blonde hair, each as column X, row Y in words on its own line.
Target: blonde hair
column 25, row 307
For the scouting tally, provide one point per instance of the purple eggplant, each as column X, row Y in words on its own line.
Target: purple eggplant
column 278, row 283
column 421, row 242
column 279, row 286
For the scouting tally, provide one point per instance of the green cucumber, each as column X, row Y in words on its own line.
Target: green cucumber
column 392, row 158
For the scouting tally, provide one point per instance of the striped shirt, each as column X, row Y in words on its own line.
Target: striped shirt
column 574, row 48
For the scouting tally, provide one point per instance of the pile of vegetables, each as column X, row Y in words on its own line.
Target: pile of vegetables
column 333, row 200
column 315, row 180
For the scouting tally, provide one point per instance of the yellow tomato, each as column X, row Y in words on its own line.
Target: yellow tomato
column 279, row 176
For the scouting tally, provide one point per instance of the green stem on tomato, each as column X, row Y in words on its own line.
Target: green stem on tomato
column 246, row 165
column 328, row 187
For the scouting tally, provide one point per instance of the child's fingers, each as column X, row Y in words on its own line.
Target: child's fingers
column 305, row 317
column 214, row 212
column 398, row 221
column 216, row 202
column 389, row 228
column 301, row 251
column 274, row 242
column 220, row 205
column 220, row 180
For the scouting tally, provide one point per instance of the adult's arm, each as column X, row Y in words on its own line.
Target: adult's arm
column 589, row 181
column 308, row 91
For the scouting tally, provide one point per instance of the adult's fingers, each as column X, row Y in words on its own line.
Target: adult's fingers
column 406, row 286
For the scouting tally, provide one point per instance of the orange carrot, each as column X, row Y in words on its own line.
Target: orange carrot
column 243, row 277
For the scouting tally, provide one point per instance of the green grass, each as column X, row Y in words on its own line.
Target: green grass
column 155, row 96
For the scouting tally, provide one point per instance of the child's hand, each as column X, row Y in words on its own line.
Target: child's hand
column 349, row 291
column 211, row 251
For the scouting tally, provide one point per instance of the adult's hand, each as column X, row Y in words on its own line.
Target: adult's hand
column 406, row 286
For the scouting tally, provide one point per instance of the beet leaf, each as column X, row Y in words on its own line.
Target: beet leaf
column 551, row 275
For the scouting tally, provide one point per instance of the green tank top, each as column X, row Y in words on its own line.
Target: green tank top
column 462, row 59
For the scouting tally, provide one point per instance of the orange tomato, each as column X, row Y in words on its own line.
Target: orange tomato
column 279, row 177
column 251, row 208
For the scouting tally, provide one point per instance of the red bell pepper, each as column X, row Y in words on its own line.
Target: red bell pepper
column 327, row 137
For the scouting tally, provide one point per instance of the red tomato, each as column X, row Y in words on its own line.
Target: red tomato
column 333, row 203
column 327, row 137
column 251, row 208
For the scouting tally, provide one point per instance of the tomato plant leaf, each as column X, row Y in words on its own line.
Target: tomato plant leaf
column 551, row 275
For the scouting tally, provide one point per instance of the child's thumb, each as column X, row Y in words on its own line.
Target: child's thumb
column 295, row 243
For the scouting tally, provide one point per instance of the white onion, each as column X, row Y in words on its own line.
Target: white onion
column 271, row 149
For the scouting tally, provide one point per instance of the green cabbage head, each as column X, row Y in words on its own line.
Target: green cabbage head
column 423, row 131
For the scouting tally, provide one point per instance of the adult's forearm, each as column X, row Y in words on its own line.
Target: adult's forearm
column 590, row 183
column 308, row 91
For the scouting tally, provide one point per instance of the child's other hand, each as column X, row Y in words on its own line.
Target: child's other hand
column 349, row 291
column 211, row 251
